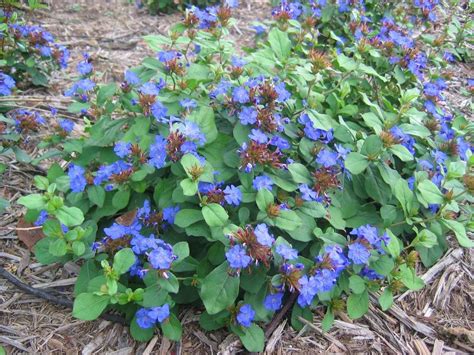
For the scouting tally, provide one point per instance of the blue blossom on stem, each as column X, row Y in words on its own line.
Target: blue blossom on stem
column 240, row 95
column 358, row 253
column 122, row 149
column 273, row 301
column 263, row 235
column 246, row 315
column 232, row 195
column 262, row 182
column 237, row 257
column 286, row 252
column 77, row 178
column 7, row 84
column 248, row 115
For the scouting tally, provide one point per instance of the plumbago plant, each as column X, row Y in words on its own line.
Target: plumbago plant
column 317, row 169
column 27, row 53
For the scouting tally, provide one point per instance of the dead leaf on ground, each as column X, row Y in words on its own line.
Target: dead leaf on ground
column 28, row 236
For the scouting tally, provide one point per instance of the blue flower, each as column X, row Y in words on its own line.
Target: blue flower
column 273, row 301
column 246, row 315
column 150, row 88
column 286, row 252
column 167, row 56
column 159, row 111
column 358, row 253
column 307, row 193
column 162, row 257
column 122, row 149
column 160, row 314
column 248, row 115
column 84, row 68
column 240, row 95
column 232, row 195
column 188, row 103
column 308, row 290
column 237, row 257
column 258, row 136
column 66, row 125
column 158, row 152
column 327, row 158
column 131, row 78
column 42, row 217
column 169, row 213
column 263, row 235
column 280, row 143
column 7, row 84
column 144, row 319
column 262, row 182
column 238, row 62
column 77, row 178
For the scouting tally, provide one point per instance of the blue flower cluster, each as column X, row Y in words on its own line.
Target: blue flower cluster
column 148, row 317
column 42, row 42
column 7, row 84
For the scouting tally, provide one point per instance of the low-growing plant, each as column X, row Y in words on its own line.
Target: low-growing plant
column 166, row 6
column 27, row 53
column 321, row 166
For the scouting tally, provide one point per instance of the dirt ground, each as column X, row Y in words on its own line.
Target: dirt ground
column 437, row 320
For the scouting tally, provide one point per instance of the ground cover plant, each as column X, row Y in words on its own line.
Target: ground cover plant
column 28, row 52
column 315, row 169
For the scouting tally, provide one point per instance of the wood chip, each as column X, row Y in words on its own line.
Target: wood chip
column 28, row 236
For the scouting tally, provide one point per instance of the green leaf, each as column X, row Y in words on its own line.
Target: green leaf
column 280, row 43
column 430, row 193
column 123, row 260
column 58, row 247
column 357, row 284
column 402, row 152
column 78, row 247
column 181, row 250
column 70, row 216
column 264, row 198
column 356, row 163
column 313, row 209
column 346, row 63
column 105, row 93
column 460, row 232
column 120, row 199
column 386, row 299
column 172, row 328
column 288, row 220
column 409, row 278
column 89, row 306
column 215, row 321
column 33, row 202
column 404, row 195
column 372, row 146
column 96, row 195
column 190, row 187
column 204, row 117
column 328, row 320
column 41, row 182
column 215, row 215
column 358, row 304
column 383, row 265
column 300, row 174
column 140, row 334
column 219, row 290
column 425, row 238
column 88, row 271
column 253, row 338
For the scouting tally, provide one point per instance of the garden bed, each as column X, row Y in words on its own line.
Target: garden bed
column 436, row 320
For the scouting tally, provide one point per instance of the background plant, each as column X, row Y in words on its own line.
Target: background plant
column 319, row 167
column 27, row 53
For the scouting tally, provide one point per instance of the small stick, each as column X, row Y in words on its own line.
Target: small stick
column 279, row 316
column 52, row 298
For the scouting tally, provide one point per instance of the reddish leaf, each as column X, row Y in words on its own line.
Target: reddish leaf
column 127, row 218
column 28, row 233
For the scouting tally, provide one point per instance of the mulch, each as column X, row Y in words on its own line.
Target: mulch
column 436, row 320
